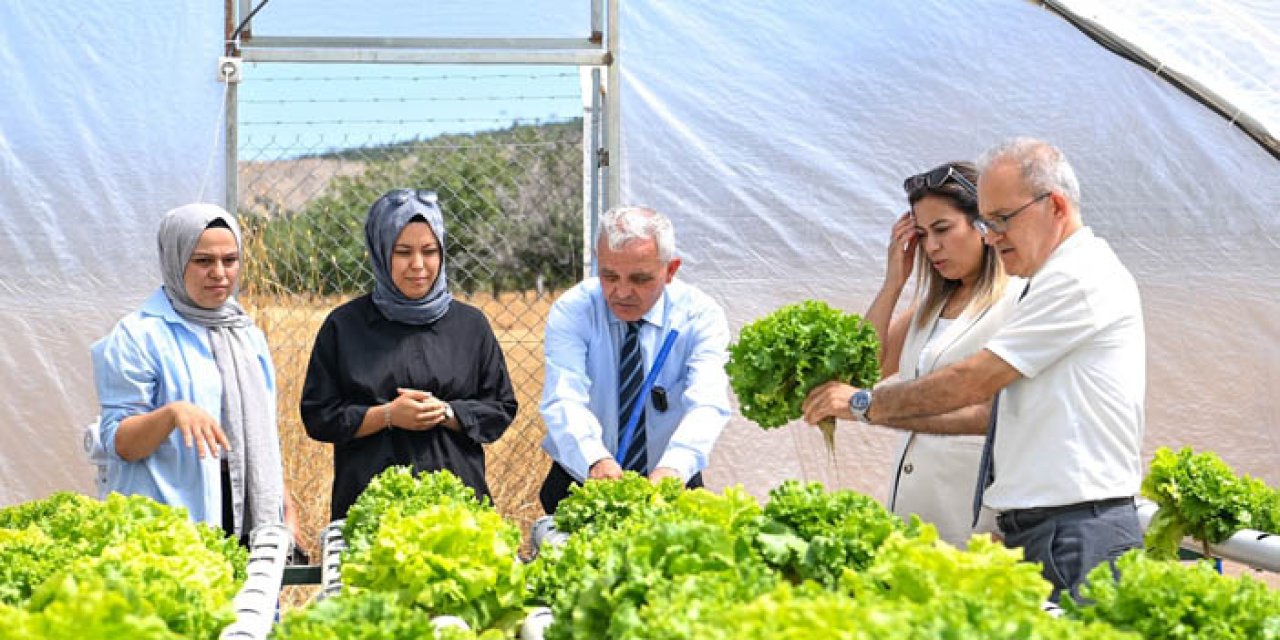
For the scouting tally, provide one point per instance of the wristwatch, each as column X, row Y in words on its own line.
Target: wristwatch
column 860, row 404
column 448, row 412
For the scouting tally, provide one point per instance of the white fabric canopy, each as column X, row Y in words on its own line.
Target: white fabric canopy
column 107, row 121
column 1230, row 48
column 778, row 136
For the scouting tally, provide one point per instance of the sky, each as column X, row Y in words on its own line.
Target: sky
column 289, row 109
column 425, row 18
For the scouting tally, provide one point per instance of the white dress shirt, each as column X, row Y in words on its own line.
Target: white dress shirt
column 580, row 395
column 1070, row 430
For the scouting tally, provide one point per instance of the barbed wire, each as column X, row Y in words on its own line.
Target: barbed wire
column 397, row 121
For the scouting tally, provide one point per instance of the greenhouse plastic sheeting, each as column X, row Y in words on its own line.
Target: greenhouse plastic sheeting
column 777, row 137
column 1230, row 48
column 107, row 120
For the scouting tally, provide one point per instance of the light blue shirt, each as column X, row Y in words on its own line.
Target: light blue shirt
column 152, row 358
column 580, row 397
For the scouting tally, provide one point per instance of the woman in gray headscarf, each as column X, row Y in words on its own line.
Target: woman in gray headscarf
column 187, row 387
column 406, row 375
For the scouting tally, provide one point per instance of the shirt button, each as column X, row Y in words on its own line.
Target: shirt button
column 908, row 468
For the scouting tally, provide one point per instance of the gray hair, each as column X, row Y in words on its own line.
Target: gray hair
column 1043, row 166
column 622, row 224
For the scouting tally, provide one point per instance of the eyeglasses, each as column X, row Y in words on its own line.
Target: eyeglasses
column 1000, row 223
column 936, row 177
column 401, row 196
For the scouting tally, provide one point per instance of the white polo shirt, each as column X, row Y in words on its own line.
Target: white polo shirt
column 1070, row 430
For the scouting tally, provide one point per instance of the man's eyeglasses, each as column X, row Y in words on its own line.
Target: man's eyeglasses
column 401, row 196
column 1000, row 223
column 936, row 177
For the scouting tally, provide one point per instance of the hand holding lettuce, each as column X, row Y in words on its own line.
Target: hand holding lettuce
column 780, row 358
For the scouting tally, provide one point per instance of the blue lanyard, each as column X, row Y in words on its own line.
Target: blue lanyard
column 625, row 443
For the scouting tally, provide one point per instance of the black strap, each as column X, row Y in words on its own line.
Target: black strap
column 986, row 474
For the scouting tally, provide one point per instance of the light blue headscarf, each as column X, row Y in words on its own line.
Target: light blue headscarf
column 387, row 218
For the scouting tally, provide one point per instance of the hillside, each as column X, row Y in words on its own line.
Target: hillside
column 512, row 201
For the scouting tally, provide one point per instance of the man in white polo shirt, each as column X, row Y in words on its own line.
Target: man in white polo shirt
column 1069, row 366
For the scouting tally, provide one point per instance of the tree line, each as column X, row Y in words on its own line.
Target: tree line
column 512, row 202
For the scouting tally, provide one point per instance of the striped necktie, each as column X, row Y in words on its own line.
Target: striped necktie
column 630, row 380
column 986, row 464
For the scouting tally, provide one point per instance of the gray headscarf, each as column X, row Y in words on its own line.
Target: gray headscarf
column 247, row 417
column 387, row 218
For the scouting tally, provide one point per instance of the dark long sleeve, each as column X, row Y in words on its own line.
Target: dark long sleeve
column 360, row 359
column 330, row 413
column 486, row 416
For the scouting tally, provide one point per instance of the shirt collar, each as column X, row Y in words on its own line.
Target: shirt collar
column 1074, row 242
column 158, row 304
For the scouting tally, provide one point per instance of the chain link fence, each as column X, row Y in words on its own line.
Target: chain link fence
column 317, row 145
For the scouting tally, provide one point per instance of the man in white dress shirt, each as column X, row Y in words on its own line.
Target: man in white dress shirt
column 1069, row 365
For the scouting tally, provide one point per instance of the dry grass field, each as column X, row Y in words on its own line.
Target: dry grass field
column 516, row 463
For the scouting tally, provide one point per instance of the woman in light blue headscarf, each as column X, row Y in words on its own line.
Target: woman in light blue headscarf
column 406, row 375
column 187, row 388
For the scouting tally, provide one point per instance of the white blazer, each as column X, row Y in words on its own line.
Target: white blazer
column 936, row 475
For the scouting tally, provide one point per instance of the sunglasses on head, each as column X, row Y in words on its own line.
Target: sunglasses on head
column 401, row 196
column 936, row 177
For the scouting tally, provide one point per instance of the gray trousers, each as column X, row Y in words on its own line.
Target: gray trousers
column 1070, row 541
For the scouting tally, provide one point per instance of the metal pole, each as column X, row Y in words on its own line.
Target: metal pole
column 246, row 8
column 612, row 111
column 231, row 116
column 228, row 26
column 232, row 140
column 597, row 23
column 431, row 55
column 591, row 164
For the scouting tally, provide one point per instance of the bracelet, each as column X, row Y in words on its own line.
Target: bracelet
column 386, row 414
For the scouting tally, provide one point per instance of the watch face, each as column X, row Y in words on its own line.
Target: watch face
column 860, row 401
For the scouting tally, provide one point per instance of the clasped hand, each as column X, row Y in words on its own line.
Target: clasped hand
column 417, row 410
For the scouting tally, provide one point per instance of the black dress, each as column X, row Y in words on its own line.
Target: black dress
column 359, row 360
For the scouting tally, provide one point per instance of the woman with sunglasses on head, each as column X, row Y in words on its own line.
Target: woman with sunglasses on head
column 962, row 297
column 187, row 388
column 406, row 375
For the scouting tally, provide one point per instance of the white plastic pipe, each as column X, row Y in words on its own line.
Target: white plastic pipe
column 450, row 622
column 255, row 604
column 332, row 544
column 1257, row 549
column 535, row 624
column 545, row 534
